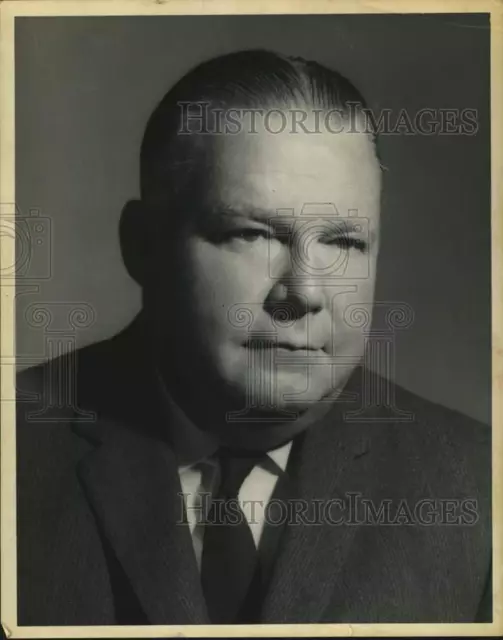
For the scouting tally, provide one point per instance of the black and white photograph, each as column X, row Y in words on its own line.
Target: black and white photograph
column 251, row 308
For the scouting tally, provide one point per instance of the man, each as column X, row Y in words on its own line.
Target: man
column 240, row 384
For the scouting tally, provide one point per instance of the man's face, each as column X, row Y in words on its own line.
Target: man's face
column 273, row 266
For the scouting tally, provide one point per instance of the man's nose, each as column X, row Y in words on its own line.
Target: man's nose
column 302, row 295
column 298, row 284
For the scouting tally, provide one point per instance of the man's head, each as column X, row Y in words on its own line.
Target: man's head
column 260, row 232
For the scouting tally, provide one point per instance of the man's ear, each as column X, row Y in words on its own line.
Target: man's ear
column 135, row 240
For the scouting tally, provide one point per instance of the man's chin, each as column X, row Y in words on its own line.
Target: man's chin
column 289, row 393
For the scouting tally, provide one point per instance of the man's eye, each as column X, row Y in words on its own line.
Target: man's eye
column 247, row 235
column 347, row 242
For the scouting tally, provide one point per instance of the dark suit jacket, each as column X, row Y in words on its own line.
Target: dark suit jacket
column 99, row 543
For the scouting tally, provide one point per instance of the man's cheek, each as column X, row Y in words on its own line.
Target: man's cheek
column 352, row 297
column 351, row 317
column 220, row 318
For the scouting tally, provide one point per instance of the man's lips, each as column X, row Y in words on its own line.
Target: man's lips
column 283, row 345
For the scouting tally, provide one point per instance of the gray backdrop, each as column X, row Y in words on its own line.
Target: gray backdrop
column 85, row 88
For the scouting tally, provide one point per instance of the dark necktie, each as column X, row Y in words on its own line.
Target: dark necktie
column 229, row 558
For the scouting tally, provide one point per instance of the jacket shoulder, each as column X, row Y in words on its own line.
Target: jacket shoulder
column 442, row 423
column 450, row 450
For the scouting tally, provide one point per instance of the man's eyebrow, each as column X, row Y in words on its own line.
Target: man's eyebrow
column 249, row 213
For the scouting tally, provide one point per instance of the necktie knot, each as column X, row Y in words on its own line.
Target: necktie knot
column 234, row 469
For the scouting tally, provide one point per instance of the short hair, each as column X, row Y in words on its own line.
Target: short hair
column 243, row 79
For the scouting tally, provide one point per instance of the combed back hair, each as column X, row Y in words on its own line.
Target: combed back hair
column 252, row 79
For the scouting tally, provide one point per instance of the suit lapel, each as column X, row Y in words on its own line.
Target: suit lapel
column 132, row 484
column 131, row 479
column 329, row 463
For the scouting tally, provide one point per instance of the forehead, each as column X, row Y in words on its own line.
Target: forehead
column 263, row 171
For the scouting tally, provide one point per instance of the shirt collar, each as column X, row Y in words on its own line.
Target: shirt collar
column 276, row 460
column 280, row 455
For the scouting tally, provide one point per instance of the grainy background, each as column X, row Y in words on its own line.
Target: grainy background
column 86, row 86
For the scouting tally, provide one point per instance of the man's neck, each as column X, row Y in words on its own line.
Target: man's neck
column 189, row 442
column 196, row 431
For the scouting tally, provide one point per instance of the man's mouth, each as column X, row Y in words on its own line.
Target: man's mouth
column 281, row 345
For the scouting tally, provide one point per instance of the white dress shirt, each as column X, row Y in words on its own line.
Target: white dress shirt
column 254, row 495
